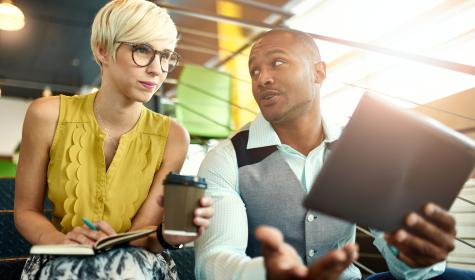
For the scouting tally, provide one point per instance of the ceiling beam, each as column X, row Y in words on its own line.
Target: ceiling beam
column 197, row 49
column 210, row 35
column 251, row 24
column 445, row 64
column 264, row 6
column 39, row 85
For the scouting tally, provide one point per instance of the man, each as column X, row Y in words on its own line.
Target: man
column 261, row 175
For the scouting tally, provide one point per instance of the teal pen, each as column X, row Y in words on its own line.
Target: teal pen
column 89, row 224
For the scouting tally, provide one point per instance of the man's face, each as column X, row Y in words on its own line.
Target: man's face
column 283, row 77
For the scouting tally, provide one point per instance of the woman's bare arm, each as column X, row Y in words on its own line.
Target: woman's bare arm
column 30, row 183
column 150, row 213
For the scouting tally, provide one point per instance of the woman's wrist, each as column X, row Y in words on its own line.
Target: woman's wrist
column 165, row 245
column 51, row 237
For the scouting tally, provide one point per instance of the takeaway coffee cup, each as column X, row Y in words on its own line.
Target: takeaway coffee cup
column 181, row 197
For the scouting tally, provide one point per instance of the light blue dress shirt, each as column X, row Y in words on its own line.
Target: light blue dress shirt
column 221, row 251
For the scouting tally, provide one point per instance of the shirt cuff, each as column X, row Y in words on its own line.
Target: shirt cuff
column 254, row 269
column 399, row 269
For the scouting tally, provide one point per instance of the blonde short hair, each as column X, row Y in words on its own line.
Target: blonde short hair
column 136, row 21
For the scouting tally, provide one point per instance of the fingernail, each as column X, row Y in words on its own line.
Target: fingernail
column 198, row 212
column 401, row 236
column 412, row 219
column 430, row 209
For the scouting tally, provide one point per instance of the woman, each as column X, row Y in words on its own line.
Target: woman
column 103, row 156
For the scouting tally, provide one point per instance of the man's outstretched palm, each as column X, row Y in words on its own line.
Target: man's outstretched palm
column 283, row 262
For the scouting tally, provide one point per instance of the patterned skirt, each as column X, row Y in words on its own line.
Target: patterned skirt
column 118, row 263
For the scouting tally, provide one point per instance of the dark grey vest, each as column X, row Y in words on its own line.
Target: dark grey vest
column 273, row 196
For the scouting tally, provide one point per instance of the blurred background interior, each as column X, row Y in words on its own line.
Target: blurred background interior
column 418, row 54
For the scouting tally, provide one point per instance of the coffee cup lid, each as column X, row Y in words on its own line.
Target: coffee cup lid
column 174, row 178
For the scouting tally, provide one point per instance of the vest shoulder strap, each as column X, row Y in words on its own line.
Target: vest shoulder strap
column 249, row 156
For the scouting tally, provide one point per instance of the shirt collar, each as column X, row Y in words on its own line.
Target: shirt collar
column 261, row 133
column 332, row 128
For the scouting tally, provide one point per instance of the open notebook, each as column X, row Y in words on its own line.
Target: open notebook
column 388, row 162
column 100, row 246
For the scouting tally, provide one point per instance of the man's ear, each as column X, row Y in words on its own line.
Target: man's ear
column 102, row 55
column 319, row 72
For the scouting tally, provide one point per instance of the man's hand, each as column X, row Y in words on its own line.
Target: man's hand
column 426, row 239
column 283, row 262
column 332, row 265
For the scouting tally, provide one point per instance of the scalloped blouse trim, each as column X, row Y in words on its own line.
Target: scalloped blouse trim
column 74, row 170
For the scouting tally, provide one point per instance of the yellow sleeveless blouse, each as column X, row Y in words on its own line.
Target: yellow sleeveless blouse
column 78, row 183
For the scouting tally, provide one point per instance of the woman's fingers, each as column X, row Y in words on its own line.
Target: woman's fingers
column 80, row 235
column 105, row 228
column 201, row 222
column 203, row 214
column 206, row 201
column 85, row 235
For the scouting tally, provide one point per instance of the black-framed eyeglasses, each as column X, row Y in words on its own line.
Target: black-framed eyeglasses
column 143, row 55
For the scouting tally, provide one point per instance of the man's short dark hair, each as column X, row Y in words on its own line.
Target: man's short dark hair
column 299, row 36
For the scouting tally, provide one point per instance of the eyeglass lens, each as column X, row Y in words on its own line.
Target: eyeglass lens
column 144, row 55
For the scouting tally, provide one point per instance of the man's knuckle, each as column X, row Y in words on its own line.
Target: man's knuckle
column 452, row 223
column 451, row 246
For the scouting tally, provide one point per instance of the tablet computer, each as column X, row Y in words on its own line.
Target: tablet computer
column 388, row 162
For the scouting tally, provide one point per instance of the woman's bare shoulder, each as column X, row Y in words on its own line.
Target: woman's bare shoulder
column 41, row 118
column 178, row 133
column 44, row 109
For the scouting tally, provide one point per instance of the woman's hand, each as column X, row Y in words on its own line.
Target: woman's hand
column 203, row 214
column 87, row 236
column 201, row 218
